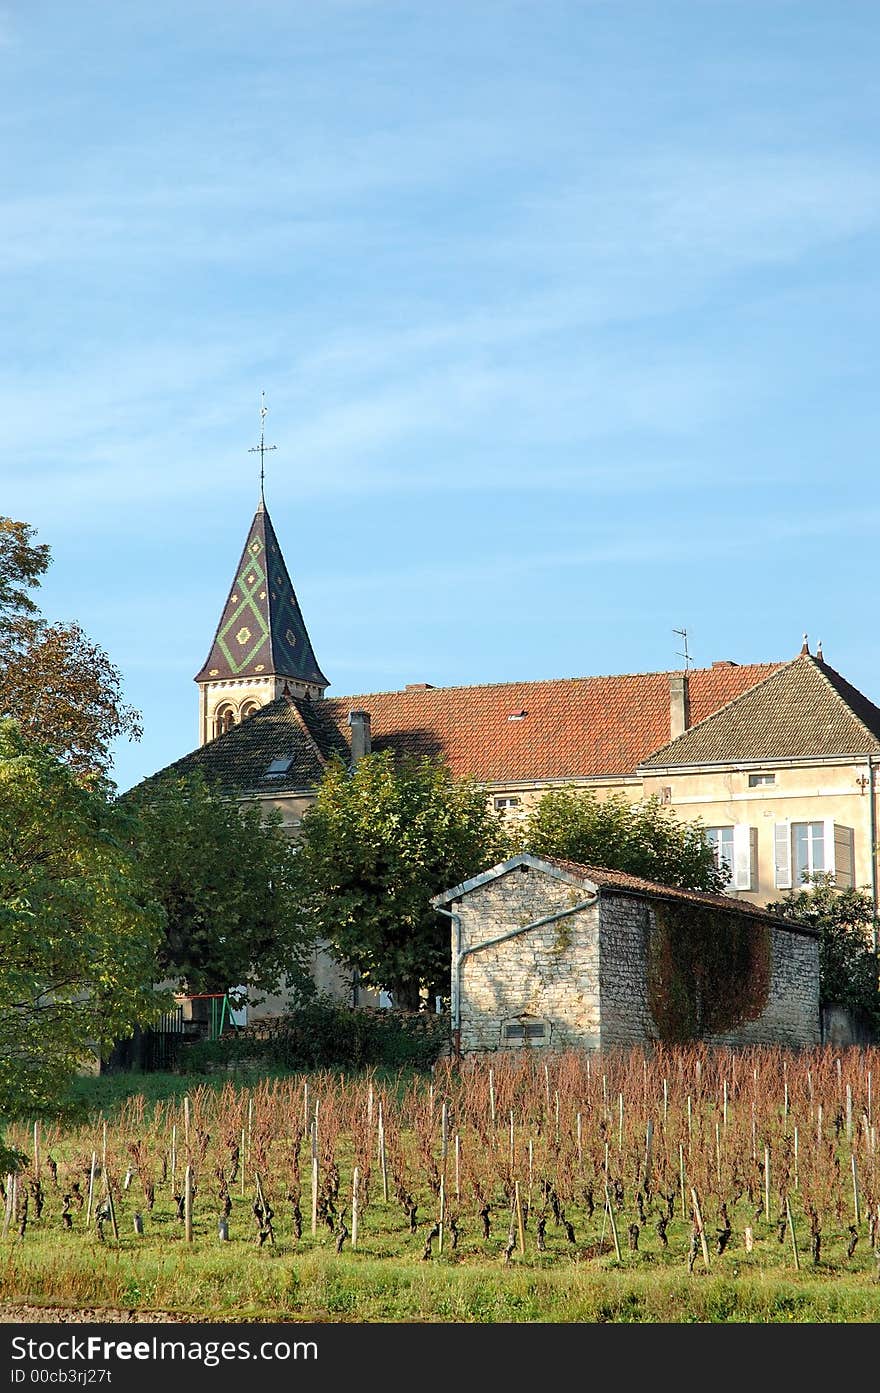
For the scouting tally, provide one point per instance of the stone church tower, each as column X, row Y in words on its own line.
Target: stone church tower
column 261, row 647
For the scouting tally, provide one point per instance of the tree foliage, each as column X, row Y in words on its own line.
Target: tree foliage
column 223, row 873
column 78, row 931
column 376, row 844
column 846, row 920
column 60, row 687
column 644, row 839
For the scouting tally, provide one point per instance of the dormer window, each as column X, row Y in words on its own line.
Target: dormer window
column 279, row 767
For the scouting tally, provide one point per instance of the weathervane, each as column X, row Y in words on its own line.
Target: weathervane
column 262, row 447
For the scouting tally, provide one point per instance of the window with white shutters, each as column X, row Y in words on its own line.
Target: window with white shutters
column 720, row 840
column 736, row 854
column 745, row 857
column 782, row 855
column 808, row 849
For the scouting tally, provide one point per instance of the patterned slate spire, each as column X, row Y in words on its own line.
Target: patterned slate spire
column 261, row 631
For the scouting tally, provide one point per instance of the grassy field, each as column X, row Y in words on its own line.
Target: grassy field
column 397, row 1272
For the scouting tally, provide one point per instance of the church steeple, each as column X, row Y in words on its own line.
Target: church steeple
column 261, row 645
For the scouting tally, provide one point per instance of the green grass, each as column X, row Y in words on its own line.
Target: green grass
column 241, row 1284
column 385, row 1279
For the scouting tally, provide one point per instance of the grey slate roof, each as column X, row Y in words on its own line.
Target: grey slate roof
column 803, row 710
column 287, row 728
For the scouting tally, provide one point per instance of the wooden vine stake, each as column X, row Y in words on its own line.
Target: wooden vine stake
column 701, row 1230
column 186, row 1122
column 112, row 1207
column 188, row 1204
column 355, row 1182
column 519, row 1217
column 37, row 1150
column 610, row 1212
column 849, row 1127
column 91, row 1188
column 457, row 1166
column 855, row 1180
column 441, row 1222
column 794, row 1246
column 767, row 1182
column 383, row 1164
column 174, row 1157
column 681, row 1181
column 7, row 1217
column 314, row 1180
column 491, row 1098
column 796, row 1152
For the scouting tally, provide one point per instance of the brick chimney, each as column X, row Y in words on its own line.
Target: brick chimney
column 361, row 743
column 679, row 704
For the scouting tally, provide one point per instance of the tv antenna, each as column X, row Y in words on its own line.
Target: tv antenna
column 262, row 448
column 683, row 634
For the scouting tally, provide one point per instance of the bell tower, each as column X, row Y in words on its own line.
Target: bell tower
column 261, row 647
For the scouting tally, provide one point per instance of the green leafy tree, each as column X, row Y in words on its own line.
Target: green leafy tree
column 223, row 873
column 60, row 687
column 78, row 930
column 376, row 844
column 848, row 967
column 644, row 839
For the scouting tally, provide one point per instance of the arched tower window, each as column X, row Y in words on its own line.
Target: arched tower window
column 248, row 708
column 224, row 720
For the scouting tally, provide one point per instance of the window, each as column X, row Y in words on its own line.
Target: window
column 279, row 767
column 525, row 1030
column 806, row 849
column 533, row 1031
column 720, row 840
column 736, row 852
column 506, row 802
column 759, row 780
column 248, row 709
column 224, row 720
column 808, row 844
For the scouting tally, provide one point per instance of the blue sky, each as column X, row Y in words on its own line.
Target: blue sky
column 566, row 314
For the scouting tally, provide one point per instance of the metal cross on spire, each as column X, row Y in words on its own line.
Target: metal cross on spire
column 262, row 447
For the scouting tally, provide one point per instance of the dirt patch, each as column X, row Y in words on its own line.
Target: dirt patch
column 99, row 1315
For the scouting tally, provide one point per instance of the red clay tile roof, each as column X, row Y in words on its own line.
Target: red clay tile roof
column 802, row 710
column 611, row 880
column 608, row 879
column 573, row 727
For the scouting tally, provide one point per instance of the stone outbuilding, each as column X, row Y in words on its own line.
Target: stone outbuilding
column 549, row 953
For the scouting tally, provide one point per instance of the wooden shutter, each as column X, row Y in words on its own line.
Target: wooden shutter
column 830, row 866
column 782, row 851
column 742, row 856
column 844, row 857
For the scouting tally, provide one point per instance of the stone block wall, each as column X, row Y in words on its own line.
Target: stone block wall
column 623, row 971
column 790, row 1017
column 586, row 976
column 548, row 975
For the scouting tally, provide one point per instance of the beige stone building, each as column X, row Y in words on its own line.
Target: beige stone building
column 550, row 953
column 778, row 759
